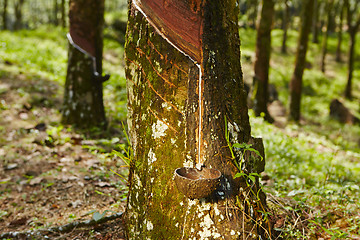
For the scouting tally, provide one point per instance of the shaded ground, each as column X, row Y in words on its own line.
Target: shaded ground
column 49, row 174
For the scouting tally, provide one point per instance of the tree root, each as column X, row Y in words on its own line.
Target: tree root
column 41, row 233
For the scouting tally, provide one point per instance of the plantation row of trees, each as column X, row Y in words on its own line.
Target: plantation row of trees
column 321, row 16
column 310, row 19
column 29, row 14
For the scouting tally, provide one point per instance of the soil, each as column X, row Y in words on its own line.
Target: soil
column 51, row 175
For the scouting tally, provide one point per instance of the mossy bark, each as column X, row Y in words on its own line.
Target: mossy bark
column 83, row 97
column 262, row 62
column 296, row 80
column 163, row 119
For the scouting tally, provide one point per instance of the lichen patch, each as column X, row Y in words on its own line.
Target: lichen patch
column 158, row 129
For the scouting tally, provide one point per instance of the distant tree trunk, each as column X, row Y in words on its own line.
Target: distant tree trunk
column 348, row 89
column 56, row 10
column 353, row 26
column 63, row 15
column 183, row 77
column 4, row 14
column 18, row 14
column 285, row 25
column 339, row 35
column 252, row 14
column 315, row 22
column 83, row 98
column 296, row 80
column 326, row 34
column 262, row 62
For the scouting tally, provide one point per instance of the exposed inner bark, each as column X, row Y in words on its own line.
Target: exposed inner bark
column 178, row 21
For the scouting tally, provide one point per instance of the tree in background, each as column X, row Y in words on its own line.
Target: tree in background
column 56, row 10
column 285, row 25
column 18, row 4
column 329, row 10
column 83, row 98
column 185, row 103
column 63, row 15
column 315, row 21
column 252, row 6
column 353, row 22
column 262, row 61
column 341, row 7
column 4, row 14
column 296, row 80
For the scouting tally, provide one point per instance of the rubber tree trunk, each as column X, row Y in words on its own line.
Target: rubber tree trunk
column 4, row 14
column 315, row 21
column 339, row 34
column 329, row 9
column 83, row 98
column 18, row 14
column 262, row 61
column 296, row 80
column 183, row 78
column 285, row 26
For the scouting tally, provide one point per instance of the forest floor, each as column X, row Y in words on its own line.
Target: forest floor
column 48, row 175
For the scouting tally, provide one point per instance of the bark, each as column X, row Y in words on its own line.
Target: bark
column 169, row 95
column 285, row 26
column 325, row 35
column 339, row 34
column 83, row 98
column 4, row 14
column 262, row 62
column 18, row 14
column 296, row 80
column 315, row 22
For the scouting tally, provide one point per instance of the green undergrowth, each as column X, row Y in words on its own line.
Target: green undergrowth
column 42, row 52
column 316, row 164
column 309, row 168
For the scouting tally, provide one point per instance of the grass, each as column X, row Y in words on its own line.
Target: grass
column 316, row 164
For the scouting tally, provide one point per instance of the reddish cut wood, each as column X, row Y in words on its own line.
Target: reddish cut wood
column 83, row 42
column 179, row 21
